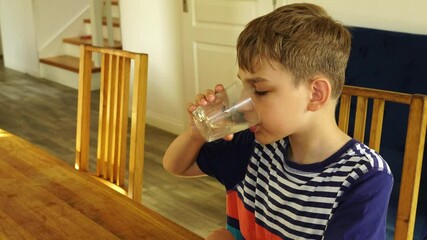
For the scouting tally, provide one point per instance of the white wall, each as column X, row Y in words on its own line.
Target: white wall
column 395, row 15
column 56, row 19
column 62, row 11
column 18, row 36
column 1, row 47
column 153, row 27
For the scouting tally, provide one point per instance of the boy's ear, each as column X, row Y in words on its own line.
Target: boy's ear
column 320, row 93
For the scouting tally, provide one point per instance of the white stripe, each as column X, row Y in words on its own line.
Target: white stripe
column 284, row 222
column 286, row 193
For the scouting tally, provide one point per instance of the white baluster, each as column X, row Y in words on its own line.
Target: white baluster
column 109, row 19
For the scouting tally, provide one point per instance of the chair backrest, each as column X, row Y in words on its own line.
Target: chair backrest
column 375, row 101
column 114, row 147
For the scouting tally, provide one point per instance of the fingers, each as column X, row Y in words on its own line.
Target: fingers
column 219, row 88
column 191, row 107
column 229, row 137
column 208, row 95
column 201, row 99
column 205, row 97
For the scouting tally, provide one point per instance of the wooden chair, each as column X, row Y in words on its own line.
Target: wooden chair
column 112, row 147
column 414, row 143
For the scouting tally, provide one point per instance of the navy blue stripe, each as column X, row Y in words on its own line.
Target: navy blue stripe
column 285, row 185
column 279, row 193
column 294, row 211
column 233, row 222
column 287, row 229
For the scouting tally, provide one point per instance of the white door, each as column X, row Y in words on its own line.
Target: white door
column 210, row 31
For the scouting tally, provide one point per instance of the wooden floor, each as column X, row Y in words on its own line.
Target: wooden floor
column 44, row 113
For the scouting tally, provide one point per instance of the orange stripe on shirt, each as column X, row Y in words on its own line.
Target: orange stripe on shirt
column 248, row 227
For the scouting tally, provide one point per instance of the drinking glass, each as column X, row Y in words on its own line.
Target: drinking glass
column 232, row 111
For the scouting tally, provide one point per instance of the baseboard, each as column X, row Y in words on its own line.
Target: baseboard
column 34, row 72
column 165, row 123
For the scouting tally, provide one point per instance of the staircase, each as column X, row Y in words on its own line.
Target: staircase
column 64, row 67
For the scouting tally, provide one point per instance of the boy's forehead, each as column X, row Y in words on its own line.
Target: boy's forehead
column 260, row 68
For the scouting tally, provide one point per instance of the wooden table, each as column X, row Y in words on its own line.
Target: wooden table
column 41, row 197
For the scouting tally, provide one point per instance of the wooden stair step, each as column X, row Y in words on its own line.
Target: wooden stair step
column 87, row 40
column 66, row 62
column 116, row 21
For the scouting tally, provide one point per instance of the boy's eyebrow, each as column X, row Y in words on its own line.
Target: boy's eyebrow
column 252, row 80
column 255, row 80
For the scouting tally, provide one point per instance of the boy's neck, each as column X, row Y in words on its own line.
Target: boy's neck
column 322, row 139
column 316, row 149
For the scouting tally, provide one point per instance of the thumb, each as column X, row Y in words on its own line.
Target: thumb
column 229, row 137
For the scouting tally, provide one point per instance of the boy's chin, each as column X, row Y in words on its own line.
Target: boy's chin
column 263, row 138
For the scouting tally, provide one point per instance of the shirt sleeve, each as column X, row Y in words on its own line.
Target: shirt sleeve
column 227, row 160
column 362, row 211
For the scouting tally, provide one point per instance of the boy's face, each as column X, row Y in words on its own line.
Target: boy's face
column 281, row 105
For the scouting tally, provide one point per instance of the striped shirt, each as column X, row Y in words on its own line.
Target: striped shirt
column 270, row 197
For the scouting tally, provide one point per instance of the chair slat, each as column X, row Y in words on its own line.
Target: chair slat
column 123, row 116
column 102, row 121
column 114, row 125
column 110, row 118
column 360, row 119
column 344, row 113
column 104, row 94
column 136, row 160
column 83, row 111
column 376, row 124
column 116, row 110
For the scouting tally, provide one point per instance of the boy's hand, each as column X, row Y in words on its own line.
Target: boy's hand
column 220, row 234
column 201, row 100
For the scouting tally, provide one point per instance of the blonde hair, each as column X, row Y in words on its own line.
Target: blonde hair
column 303, row 38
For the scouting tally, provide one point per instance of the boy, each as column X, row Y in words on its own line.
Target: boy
column 295, row 175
